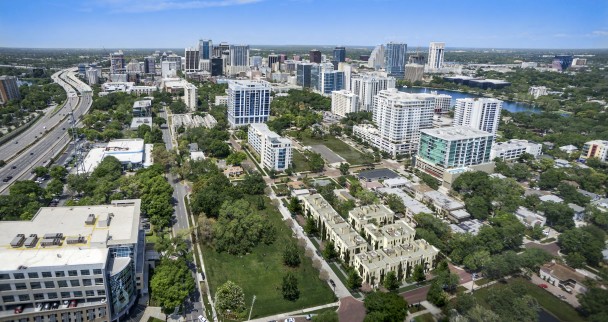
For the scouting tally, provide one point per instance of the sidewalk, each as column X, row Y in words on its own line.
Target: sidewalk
column 295, row 313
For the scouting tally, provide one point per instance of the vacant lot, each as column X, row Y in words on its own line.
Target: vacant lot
column 299, row 161
column 351, row 155
column 260, row 273
column 548, row 301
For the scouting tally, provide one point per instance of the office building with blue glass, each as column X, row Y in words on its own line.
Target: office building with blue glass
column 395, row 58
column 248, row 102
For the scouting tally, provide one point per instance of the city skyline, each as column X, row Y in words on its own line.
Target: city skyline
column 153, row 24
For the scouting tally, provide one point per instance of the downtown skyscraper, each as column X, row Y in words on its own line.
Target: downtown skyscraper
column 205, row 47
column 395, row 58
column 436, row 50
column 478, row 113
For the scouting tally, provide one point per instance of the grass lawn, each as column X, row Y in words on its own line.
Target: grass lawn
column 351, row 155
column 151, row 319
column 427, row 317
column 261, row 273
column 482, row 281
column 555, row 306
column 299, row 161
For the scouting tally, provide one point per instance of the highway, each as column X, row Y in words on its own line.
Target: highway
column 34, row 148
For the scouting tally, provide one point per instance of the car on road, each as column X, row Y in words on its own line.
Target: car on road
column 14, row 167
column 290, row 320
column 202, row 319
column 543, row 285
column 332, row 283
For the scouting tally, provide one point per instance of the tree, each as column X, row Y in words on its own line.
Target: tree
column 354, row 280
column 290, row 287
column 315, row 162
column 229, row 299
column 236, row 158
column 476, row 260
column 58, row 172
column 418, row 274
column 291, row 255
column 171, row 284
column 55, row 187
column 205, row 229
column 294, row 205
column 436, row 294
column 571, row 195
column 390, row 281
column 253, row 184
column 585, row 242
column 594, row 304
column 310, row 227
column 344, row 168
column 385, row 307
column 329, row 251
column 395, row 203
column 41, row 171
column 178, row 107
column 559, row 215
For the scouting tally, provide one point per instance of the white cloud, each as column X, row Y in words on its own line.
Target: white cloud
column 601, row 33
column 130, row 6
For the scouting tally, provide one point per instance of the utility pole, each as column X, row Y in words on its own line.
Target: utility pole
column 251, row 310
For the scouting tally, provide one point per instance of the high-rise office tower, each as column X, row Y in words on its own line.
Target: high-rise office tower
column 220, row 49
column 395, row 58
column 303, row 75
column 348, row 71
column 92, row 77
column 376, row 58
column 192, row 59
column 315, row 56
column 297, row 58
column 239, row 58
column 8, row 89
column 274, row 62
column 436, row 50
column 478, row 113
column 117, row 63
column 331, row 81
column 367, row 86
column 205, row 47
column 445, row 148
column 340, row 54
column 150, row 65
column 282, row 58
column 416, row 59
column 255, row 61
column 399, row 117
column 562, row 62
column 175, row 59
column 217, row 66
column 248, row 102
column 413, row 72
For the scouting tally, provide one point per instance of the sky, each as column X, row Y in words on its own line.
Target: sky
column 177, row 24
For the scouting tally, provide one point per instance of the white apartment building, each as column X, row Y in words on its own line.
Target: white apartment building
column 274, row 150
column 77, row 263
column 443, row 102
column 92, row 76
column 414, row 72
column 399, row 117
column 513, row 149
column 376, row 58
column 168, row 69
column 368, row 85
column 344, row 102
column 595, row 149
column 478, row 113
column 537, row 91
column 248, row 102
column 436, row 52
column 221, row 100
column 190, row 97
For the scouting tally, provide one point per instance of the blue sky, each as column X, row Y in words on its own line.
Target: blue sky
column 176, row 23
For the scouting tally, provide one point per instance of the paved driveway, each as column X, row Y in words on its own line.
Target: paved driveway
column 416, row 296
column 351, row 310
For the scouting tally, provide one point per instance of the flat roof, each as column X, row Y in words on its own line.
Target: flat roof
column 137, row 121
column 456, row 133
column 410, row 203
column 71, row 221
column 444, row 200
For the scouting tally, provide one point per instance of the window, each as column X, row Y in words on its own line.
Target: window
column 35, row 285
column 18, row 276
column 66, row 295
column 99, row 281
column 4, row 276
column 97, row 271
column 101, row 292
column 32, row 275
column 38, row 296
column 73, row 272
column 87, row 282
column 47, row 274
column 5, row 287
column 51, row 295
column 59, row 274
column 49, row 284
column 85, row 272
column 24, row 297
column 62, row 283
column 90, row 293
column 20, row 286
column 8, row 298
column 75, row 283
column 77, row 293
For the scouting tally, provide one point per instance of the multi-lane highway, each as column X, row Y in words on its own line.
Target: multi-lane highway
column 37, row 145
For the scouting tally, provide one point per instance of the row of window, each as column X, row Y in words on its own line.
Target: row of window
column 52, row 296
column 51, row 284
column 20, row 276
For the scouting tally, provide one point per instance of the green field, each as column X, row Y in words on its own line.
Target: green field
column 553, row 305
column 155, row 320
column 299, row 161
column 260, row 273
column 427, row 317
column 351, row 155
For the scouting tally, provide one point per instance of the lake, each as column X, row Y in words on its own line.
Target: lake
column 513, row 107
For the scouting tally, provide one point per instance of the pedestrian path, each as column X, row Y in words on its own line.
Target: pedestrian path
column 296, row 313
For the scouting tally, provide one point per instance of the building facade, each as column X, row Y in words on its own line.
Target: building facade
column 395, row 58
column 192, row 60
column 150, row 65
column 315, row 56
column 248, row 102
column 77, row 263
column 8, row 89
column 339, row 54
column 436, row 51
column 205, row 48
column 478, row 113
column 274, row 150
column 442, row 149
column 513, row 149
column 595, row 149
column 376, row 58
column 344, row 102
column 537, row 91
column 399, row 117
column 117, row 63
column 367, row 86
column 414, row 72
column 303, row 75
column 239, row 58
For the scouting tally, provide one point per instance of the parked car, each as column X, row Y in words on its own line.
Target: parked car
column 543, row 285
column 202, row 319
column 332, row 283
